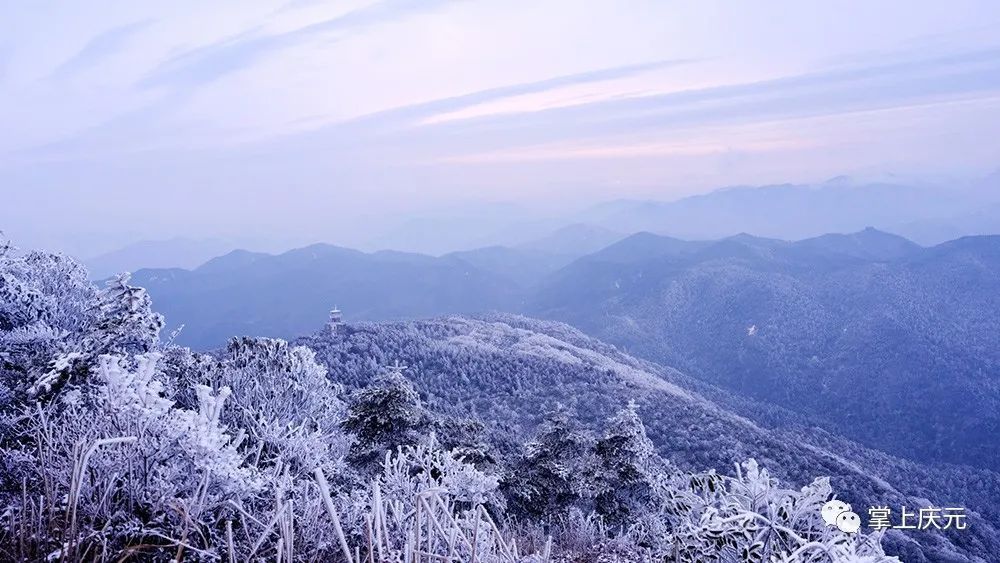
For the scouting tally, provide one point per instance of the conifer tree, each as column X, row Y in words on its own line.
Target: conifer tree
column 627, row 462
column 384, row 416
column 552, row 474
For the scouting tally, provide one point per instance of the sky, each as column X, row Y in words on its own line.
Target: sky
column 310, row 120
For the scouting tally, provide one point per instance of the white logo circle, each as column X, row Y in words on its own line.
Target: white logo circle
column 833, row 509
column 848, row 522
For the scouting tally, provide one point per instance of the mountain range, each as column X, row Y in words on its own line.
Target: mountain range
column 291, row 293
column 928, row 213
column 794, row 211
column 925, row 213
column 867, row 335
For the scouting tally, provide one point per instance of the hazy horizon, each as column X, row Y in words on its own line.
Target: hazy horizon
column 297, row 121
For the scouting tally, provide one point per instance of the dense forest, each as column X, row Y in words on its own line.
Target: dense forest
column 869, row 335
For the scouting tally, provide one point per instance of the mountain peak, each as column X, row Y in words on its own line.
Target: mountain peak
column 644, row 245
column 754, row 240
column 231, row 260
column 868, row 244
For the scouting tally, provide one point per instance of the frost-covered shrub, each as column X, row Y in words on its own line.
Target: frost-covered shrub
column 130, row 462
column 709, row 517
column 177, row 452
column 54, row 324
column 124, row 320
column 282, row 399
column 634, row 506
column 427, row 466
column 426, row 498
column 46, row 306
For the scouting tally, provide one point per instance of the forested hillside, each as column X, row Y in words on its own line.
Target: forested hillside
column 867, row 334
column 509, row 370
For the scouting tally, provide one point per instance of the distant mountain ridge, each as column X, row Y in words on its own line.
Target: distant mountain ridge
column 576, row 239
column 477, row 280
column 291, row 293
column 870, row 244
column 173, row 253
column 523, row 266
column 797, row 211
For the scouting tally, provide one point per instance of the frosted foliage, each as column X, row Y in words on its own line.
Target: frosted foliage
column 284, row 400
column 382, row 417
column 125, row 319
column 37, row 287
column 60, row 365
column 208, row 444
column 556, row 469
column 748, row 517
column 54, row 324
column 46, row 306
column 136, row 392
column 426, row 466
column 426, row 499
column 172, row 441
column 627, row 434
column 116, row 446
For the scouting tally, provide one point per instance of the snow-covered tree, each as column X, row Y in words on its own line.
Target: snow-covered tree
column 54, row 324
column 46, row 307
column 126, row 322
column 554, row 472
column 384, row 416
column 467, row 438
column 627, row 469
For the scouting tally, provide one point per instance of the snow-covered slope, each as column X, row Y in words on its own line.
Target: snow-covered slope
column 509, row 369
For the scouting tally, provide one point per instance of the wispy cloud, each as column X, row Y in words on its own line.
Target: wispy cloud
column 479, row 104
column 100, row 48
column 859, row 84
column 123, row 130
column 426, row 113
column 214, row 61
column 630, row 150
column 842, row 91
column 650, row 124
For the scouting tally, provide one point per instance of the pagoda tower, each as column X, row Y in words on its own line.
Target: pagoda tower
column 336, row 322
